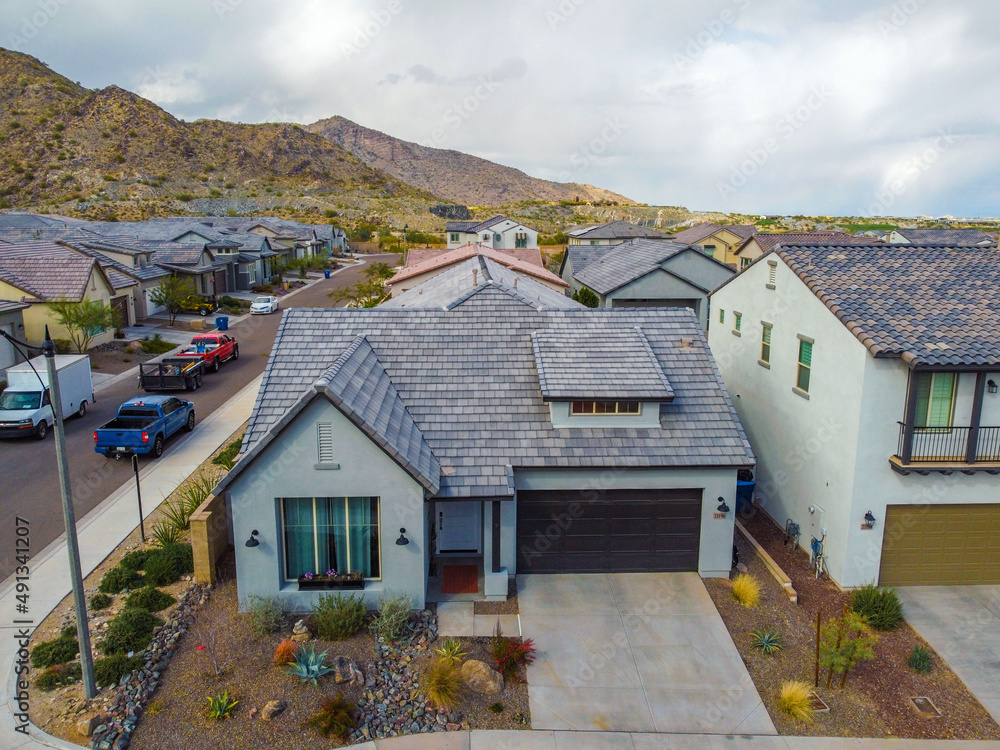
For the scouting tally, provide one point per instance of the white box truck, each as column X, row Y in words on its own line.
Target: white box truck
column 26, row 410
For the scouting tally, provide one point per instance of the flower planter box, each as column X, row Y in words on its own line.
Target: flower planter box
column 323, row 584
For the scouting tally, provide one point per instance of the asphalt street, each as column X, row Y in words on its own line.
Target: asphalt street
column 29, row 480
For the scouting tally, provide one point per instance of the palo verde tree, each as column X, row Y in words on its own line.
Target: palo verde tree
column 171, row 291
column 84, row 320
column 369, row 292
column 843, row 643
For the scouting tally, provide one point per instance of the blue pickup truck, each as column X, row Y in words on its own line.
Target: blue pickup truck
column 142, row 425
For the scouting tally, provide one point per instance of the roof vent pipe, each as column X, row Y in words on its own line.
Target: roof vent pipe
column 475, row 277
column 515, row 281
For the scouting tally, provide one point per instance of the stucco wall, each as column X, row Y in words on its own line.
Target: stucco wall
column 287, row 469
column 662, row 285
column 38, row 315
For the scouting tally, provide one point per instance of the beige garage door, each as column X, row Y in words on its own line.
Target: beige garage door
column 941, row 544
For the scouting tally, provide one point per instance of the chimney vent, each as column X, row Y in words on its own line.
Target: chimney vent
column 475, row 277
column 687, row 342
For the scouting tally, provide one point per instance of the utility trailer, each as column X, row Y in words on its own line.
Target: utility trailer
column 171, row 374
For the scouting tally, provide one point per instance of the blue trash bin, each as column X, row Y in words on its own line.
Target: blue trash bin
column 222, row 323
column 326, row 272
column 744, row 495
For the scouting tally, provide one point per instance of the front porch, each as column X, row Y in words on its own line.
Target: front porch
column 465, row 544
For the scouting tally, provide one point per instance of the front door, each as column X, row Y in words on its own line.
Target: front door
column 459, row 527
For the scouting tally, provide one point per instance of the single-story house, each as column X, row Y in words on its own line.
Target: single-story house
column 418, row 255
column 396, row 442
column 760, row 243
column 146, row 276
column 613, row 233
column 497, row 232
column 867, row 379
column 719, row 241
column 11, row 323
column 939, row 236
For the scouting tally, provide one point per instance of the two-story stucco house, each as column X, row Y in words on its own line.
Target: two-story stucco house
column 497, row 232
column 867, row 379
column 529, row 437
column 613, row 233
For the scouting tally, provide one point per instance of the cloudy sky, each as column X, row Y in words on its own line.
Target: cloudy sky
column 760, row 106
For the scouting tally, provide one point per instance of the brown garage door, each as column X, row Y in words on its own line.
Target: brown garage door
column 615, row 531
column 941, row 544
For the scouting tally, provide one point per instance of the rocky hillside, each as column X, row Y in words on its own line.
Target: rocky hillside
column 451, row 174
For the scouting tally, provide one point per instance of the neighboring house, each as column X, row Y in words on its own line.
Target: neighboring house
column 646, row 273
column 867, row 382
column 760, row 243
column 614, row 232
column 410, row 276
column 146, row 276
column 417, row 255
column 39, row 272
column 498, row 232
column 939, row 237
column 11, row 323
column 390, row 441
column 719, row 241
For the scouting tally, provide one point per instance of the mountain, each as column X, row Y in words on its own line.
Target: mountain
column 451, row 174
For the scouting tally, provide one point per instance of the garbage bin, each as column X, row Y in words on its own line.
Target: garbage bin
column 326, row 272
column 744, row 495
column 222, row 323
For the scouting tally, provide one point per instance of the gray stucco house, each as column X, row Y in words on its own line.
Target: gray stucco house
column 646, row 273
column 523, row 435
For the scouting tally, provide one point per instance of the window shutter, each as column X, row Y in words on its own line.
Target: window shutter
column 805, row 353
column 324, row 442
column 942, row 397
column 923, row 399
column 766, row 334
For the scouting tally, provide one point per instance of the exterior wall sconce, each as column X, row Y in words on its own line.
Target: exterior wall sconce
column 723, row 508
column 869, row 520
column 991, row 386
column 252, row 541
column 402, row 541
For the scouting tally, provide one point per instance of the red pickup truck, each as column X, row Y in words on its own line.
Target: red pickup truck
column 214, row 348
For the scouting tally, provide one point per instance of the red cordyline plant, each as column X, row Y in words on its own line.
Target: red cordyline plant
column 508, row 655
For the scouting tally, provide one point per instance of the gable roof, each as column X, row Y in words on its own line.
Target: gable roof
column 417, row 255
column 467, row 251
column 928, row 305
column 581, row 256
column 746, row 231
column 97, row 250
column 48, row 271
column 470, row 227
column 696, row 233
column 618, row 229
column 946, row 236
column 467, row 377
column 7, row 306
column 767, row 240
column 624, row 263
column 456, row 284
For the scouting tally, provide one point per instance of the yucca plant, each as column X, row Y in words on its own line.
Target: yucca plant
column 172, row 513
column 746, row 590
column 221, row 706
column 165, row 533
column 308, row 665
column 767, row 641
column 195, row 491
column 921, row 660
column 795, row 700
column 450, row 650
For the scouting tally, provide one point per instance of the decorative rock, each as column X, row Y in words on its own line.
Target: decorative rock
column 741, row 568
column 272, row 709
column 300, row 627
column 302, row 637
column 481, row 678
column 87, row 725
column 133, row 347
column 345, row 670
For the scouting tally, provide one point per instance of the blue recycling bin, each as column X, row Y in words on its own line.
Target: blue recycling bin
column 222, row 323
column 326, row 272
column 744, row 495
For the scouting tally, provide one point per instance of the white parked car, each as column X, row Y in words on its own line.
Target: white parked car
column 264, row 305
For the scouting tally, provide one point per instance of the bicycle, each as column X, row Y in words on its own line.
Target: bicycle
column 817, row 560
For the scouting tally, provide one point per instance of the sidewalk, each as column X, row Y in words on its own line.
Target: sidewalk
column 100, row 532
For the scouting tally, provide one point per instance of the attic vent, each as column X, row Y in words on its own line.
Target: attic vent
column 324, row 446
column 475, row 277
column 687, row 343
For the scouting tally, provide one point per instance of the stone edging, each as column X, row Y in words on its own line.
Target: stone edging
column 773, row 568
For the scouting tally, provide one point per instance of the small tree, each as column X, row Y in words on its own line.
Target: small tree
column 170, row 292
column 844, row 642
column 371, row 291
column 587, row 296
column 84, row 320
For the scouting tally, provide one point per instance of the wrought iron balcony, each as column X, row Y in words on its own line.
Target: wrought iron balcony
column 968, row 449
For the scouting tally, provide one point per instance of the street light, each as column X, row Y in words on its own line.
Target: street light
column 406, row 228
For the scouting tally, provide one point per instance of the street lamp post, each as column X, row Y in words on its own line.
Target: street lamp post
column 406, row 228
column 69, row 516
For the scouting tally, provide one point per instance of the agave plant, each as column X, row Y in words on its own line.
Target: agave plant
column 450, row 650
column 221, row 705
column 308, row 665
column 767, row 640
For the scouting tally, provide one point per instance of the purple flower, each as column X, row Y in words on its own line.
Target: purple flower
column 331, row 573
column 308, row 576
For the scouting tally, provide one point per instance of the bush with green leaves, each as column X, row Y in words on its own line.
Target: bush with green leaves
column 587, row 297
column 131, row 630
column 336, row 618
column 181, row 554
column 227, row 456
column 57, row 651
column 118, row 579
column 109, row 670
column 164, row 533
column 393, row 617
column 881, row 608
column 221, row 706
column 308, row 666
column 265, row 614
column 921, row 660
column 59, row 676
column 160, row 570
column 150, row 598
column 99, row 601
column 134, row 560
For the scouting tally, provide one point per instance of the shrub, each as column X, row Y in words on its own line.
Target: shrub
column 109, row 670
column 221, row 706
column 160, row 570
column 165, row 533
column 58, row 676
column 394, row 615
column 308, row 665
column 921, row 660
column 150, row 598
column 844, row 641
column 495, row 708
column 173, row 514
column 881, row 608
column 227, row 456
column 285, row 652
column 131, row 630
column 57, row 651
column 134, row 560
column 180, row 554
column 746, row 590
column 586, row 297
column 335, row 718
column 451, row 650
column 338, row 617
column 156, row 346
column 99, row 601
column 194, row 492
column 118, row 579
column 265, row 614
column 767, row 641
column 442, row 682
column 795, row 700
column 508, row 655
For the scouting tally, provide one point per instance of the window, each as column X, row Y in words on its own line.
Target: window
column 330, row 533
column 765, row 343
column 805, row 365
column 710, row 250
column 252, row 273
column 606, row 407
column 595, row 242
column 737, row 322
column 453, row 237
column 486, row 237
column 722, row 316
column 935, row 399
column 745, row 263
column 521, row 239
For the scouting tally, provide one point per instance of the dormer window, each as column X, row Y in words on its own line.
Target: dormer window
column 607, row 407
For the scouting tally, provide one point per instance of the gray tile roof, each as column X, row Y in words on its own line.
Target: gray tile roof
column 625, row 263
column 179, row 254
column 581, row 256
column 596, row 366
column 617, row 230
column 453, row 285
column 98, row 250
column 7, row 306
column 471, row 227
column 46, row 270
column 947, row 236
column 929, row 305
column 696, row 233
column 467, row 376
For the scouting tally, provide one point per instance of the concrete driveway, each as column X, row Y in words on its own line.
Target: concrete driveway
column 962, row 623
column 634, row 652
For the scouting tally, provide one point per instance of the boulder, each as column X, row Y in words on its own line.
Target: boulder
column 272, row 709
column 300, row 627
column 345, row 670
column 133, row 347
column 302, row 637
column 482, row 678
column 86, row 725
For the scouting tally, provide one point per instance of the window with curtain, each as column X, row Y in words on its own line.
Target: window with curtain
column 805, row 365
column 331, row 533
column 935, row 399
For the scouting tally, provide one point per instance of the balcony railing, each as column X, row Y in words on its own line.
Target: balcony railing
column 949, row 445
